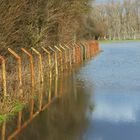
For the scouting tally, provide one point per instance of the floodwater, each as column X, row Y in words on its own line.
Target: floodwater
column 101, row 101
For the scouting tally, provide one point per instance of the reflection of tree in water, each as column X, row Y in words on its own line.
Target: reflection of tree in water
column 65, row 119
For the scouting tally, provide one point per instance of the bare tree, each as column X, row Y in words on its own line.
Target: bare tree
column 121, row 20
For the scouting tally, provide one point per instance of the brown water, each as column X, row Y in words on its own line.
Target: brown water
column 99, row 102
column 66, row 118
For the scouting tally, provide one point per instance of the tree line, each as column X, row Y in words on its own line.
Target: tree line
column 35, row 23
column 116, row 20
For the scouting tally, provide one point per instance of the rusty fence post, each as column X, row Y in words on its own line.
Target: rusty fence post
column 32, row 79
column 50, row 89
column 65, row 53
column 60, row 53
column 19, row 66
column 61, row 56
column 49, row 55
column 78, row 53
column 41, row 98
column 40, row 63
column 31, row 66
column 56, row 85
column 74, row 53
column 4, row 83
column 3, row 131
column 65, row 58
column 55, row 57
column 49, row 58
column 19, row 120
column 69, row 54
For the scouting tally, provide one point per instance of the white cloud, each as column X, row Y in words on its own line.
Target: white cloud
column 116, row 111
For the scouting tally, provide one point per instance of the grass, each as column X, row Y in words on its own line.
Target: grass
column 2, row 118
column 117, row 41
column 16, row 108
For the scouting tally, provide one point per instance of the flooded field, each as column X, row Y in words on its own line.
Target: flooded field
column 115, row 80
column 101, row 101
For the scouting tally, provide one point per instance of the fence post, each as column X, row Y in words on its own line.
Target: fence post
column 60, row 53
column 3, row 130
column 61, row 61
column 73, row 53
column 19, row 66
column 49, row 55
column 4, row 76
column 56, row 85
column 40, row 63
column 69, row 54
column 64, row 52
column 55, row 57
column 32, row 79
column 50, row 89
column 31, row 66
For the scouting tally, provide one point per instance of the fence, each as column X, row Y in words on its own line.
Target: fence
column 44, row 65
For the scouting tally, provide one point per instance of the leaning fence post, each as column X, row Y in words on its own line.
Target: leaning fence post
column 19, row 65
column 32, row 79
column 69, row 53
column 65, row 57
column 61, row 56
column 40, row 63
column 49, row 58
column 31, row 66
column 49, row 55
column 56, row 63
column 4, row 75
column 60, row 53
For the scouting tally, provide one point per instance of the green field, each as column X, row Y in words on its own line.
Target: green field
column 117, row 41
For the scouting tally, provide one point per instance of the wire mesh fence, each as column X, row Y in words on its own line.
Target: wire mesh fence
column 25, row 75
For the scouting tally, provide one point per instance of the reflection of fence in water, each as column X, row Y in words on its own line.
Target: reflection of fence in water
column 33, row 111
column 56, row 57
column 53, row 92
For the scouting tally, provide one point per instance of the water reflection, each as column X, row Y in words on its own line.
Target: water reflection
column 67, row 117
column 118, row 108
